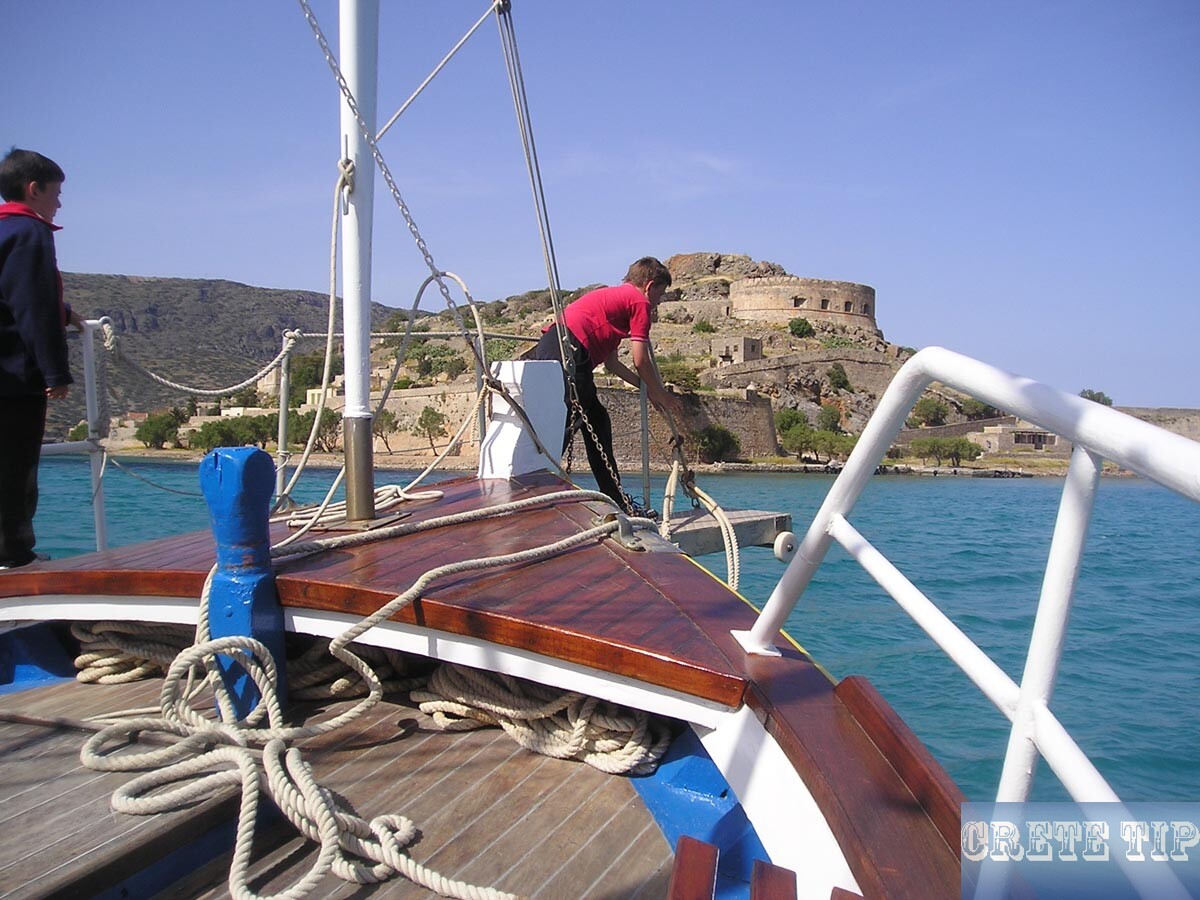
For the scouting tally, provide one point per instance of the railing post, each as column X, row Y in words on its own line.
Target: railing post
column 645, row 409
column 881, row 430
column 237, row 482
column 281, row 440
column 1050, row 624
column 95, row 453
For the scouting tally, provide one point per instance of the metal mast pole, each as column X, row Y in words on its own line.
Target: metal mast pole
column 358, row 22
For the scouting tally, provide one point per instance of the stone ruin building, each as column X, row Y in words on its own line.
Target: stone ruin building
column 715, row 285
column 781, row 298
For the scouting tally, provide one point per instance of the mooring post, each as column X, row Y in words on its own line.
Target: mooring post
column 237, row 484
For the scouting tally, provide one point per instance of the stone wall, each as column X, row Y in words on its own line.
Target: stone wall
column 781, row 298
column 750, row 418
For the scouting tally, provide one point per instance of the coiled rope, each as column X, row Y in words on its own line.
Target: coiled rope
column 562, row 725
column 211, row 753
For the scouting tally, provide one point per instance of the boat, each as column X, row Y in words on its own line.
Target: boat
column 687, row 746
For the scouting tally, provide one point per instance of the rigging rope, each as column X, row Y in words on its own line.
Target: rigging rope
column 187, row 767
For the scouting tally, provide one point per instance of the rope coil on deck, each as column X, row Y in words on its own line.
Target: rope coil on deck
column 215, row 752
column 557, row 724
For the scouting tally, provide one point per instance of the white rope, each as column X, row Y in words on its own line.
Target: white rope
column 562, row 725
column 212, row 753
column 733, row 559
column 113, row 346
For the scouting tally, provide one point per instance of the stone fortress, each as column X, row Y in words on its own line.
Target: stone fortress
column 724, row 286
column 781, row 298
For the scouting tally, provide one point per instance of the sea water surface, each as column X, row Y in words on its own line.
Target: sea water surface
column 1130, row 676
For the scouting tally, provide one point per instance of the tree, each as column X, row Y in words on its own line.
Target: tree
column 786, row 419
column 798, row 438
column 245, row 397
column 976, row 409
column 929, row 411
column 716, row 443
column 305, row 372
column 1097, row 396
column 838, row 379
column 960, row 448
column 157, row 429
column 927, row 447
column 327, row 435
column 801, row 328
column 430, row 424
column 79, row 432
column 383, row 425
column 829, row 418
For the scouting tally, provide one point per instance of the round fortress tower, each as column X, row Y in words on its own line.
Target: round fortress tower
column 781, row 298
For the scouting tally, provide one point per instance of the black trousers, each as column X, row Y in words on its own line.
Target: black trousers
column 23, row 422
column 600, row 446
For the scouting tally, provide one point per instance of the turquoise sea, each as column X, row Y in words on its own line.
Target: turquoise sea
column 1130, row 676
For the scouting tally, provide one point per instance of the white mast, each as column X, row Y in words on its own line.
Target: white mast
column 358, row 40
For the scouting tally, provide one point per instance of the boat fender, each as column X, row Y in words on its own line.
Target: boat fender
column 785, row 546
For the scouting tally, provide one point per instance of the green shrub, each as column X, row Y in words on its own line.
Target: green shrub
column 829, row 419
column 787, row 419
column 1097, row 396
column 703, row 326
column 679, row 374
column 801, row 328
column 156, row 430
column 716, row 443
column 838, row 379
column 928, row 411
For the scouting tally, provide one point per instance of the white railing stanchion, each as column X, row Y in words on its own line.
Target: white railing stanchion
column 1050, row 624
column 95, row 453
column 1098, row 433
column 881, row 430
column 281, row 439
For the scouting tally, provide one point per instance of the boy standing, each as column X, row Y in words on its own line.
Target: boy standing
column 596, row 324
column 33, row 343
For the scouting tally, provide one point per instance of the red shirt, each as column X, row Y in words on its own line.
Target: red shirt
column 602, row 318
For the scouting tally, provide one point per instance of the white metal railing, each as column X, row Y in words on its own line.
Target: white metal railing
column 1098, row 433
column 91, row 446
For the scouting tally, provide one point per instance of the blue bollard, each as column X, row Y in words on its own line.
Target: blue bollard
column 237, row 484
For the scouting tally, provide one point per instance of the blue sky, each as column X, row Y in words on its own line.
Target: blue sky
column 1018, row 181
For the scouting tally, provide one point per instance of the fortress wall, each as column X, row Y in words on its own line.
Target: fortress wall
column 781, row 298
column 752, row 420
column 710, row 310
column 866, row 369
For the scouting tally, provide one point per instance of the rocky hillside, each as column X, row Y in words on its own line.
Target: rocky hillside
column 201, row 332
column 213, row 333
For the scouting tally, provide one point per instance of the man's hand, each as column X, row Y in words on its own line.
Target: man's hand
column 668, row 402
column 75, row 319
column 58, row 393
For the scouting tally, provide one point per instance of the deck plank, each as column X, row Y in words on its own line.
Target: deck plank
column 655, row 617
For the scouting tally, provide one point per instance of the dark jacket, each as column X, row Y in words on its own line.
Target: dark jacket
column 33, row 341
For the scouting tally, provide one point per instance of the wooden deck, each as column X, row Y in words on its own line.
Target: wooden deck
column 479, row 800
column 652, row 616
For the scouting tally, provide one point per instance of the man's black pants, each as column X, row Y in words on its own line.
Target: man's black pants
column 600, row 446
column 23, row 423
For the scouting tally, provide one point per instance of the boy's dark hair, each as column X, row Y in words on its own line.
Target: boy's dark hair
column 648, row 269
column 20, row 167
